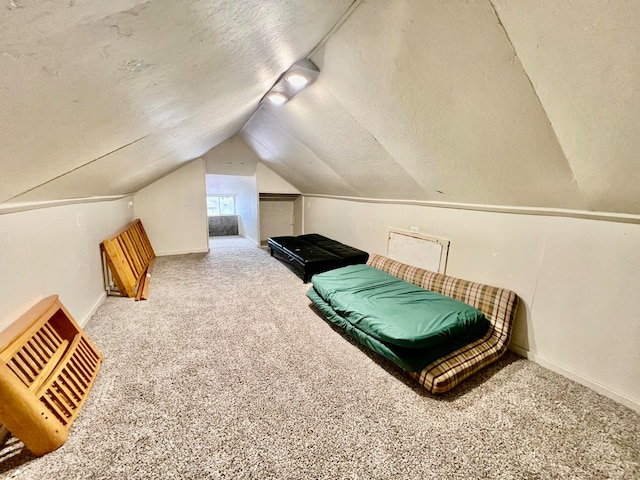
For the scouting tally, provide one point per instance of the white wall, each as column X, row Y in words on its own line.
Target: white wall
column 276, row 218
column 245, row 190
column 173, row 211
column 56, row 250
column 270, row 182
column 578, row 279
column 298, row 216
column 231, row 157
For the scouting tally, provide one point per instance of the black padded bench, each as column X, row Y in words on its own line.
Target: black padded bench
column 309, row 254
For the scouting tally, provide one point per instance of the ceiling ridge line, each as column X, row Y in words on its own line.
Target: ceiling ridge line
column 317, row 47
column 375, row 139
column 313, row 152
column 546, row 114
column 286, row 131
column 335, row 27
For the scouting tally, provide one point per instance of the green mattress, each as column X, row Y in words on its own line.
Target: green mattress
column 403, row 322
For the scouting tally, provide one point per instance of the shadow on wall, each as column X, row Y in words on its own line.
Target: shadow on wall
column 520, row 333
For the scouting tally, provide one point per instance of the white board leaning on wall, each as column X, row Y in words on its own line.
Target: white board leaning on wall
column 418, row 250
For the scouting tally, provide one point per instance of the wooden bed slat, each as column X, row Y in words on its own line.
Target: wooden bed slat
column 128, row 256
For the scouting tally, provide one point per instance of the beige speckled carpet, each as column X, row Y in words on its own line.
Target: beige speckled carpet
column 225, row 372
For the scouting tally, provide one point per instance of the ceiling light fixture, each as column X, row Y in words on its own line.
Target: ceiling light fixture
column 277, row 98
column 297, row 80
column 301, row 74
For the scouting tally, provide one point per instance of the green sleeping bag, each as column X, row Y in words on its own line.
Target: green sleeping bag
column 403, row 322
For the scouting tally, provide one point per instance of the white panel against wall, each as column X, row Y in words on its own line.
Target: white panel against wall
column 173, row 211
column 56, row 251
column 577, row 279
column 418, row 250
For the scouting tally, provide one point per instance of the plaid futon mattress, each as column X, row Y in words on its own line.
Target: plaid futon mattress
column 407, row 324
column 497, row 304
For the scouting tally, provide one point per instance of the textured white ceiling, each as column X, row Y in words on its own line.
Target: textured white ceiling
column 329, row 140
column 495, row 102
column 432, row 95
column 112, row 95
column 513, row 104
column 583, row 59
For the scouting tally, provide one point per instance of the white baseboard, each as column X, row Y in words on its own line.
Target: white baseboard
column 181, row 252
column 601, row 389
column 83, row 321
column 252, row 240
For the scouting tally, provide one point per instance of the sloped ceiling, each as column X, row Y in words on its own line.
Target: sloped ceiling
column 510, row 103
column 502, row 103
column 101, row 98
column 583, row 58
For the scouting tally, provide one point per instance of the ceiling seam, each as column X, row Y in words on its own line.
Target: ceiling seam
column 377, row 141
column 526, row 74
column 268, row 163
column 335, row 27
column 308, row 148
column 257, row 141
column 78, row 167
column 295, row 137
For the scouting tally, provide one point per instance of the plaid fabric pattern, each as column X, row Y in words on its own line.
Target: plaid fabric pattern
column 498, row 305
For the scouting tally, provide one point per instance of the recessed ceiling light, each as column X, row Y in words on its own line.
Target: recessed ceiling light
column 277, row 98
column 297, row 80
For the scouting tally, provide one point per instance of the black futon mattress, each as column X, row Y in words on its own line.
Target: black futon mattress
column 312, row 253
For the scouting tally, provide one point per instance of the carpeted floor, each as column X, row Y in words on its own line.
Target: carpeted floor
column 225, row 372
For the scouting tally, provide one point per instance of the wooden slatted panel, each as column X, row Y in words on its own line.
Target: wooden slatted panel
column 142, row 234
column 129, row 247
column 145, row 255
column 71, row 384
column 128, row 255
column 38, row 350
column 48, row 344
column 65, row 393
column 69, row 391
column 140, row 250
column 37, row 356
column 55, row 406
column 119, row 267
column 90, row 355
column 47, row 368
